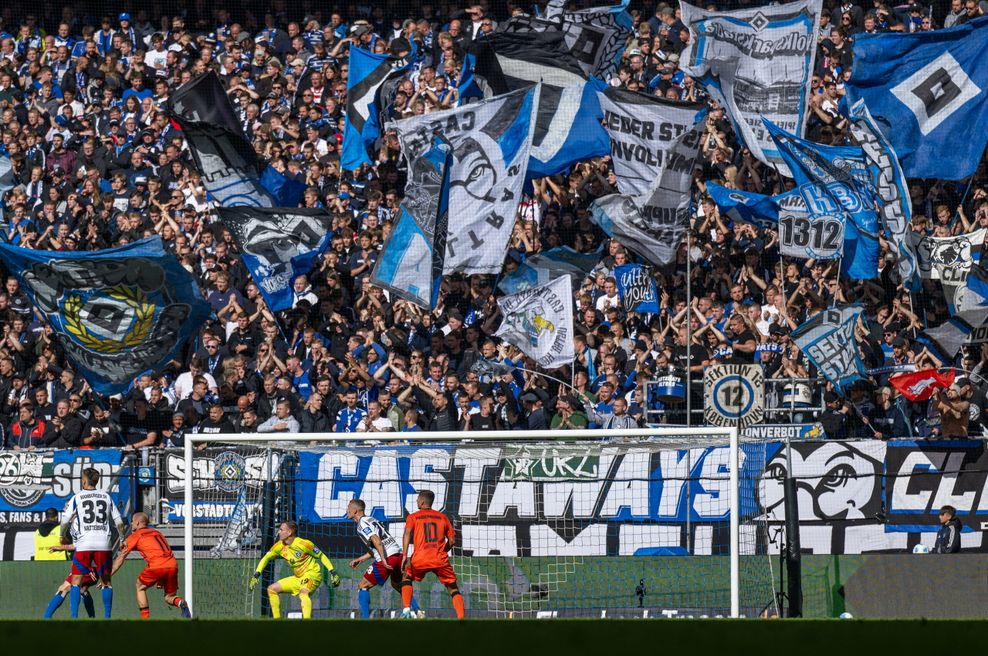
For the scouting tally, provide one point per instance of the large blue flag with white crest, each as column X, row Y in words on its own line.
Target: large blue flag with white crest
column 367, row 78
column 411, row 264
column 929, row 93
column 117, row 313
column 278, row 245
column 835, row 186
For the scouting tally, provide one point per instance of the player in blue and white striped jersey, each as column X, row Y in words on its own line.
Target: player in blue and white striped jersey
column 385, row 551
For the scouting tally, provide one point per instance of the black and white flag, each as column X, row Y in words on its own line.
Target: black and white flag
column 567, row 124
column 204, row 100
column 539, row 321
column 654, row 146
column 756, row 62
column 596, row 36
column 278, row 245
column 491, row 143
column 225, row 158
column 948, row 259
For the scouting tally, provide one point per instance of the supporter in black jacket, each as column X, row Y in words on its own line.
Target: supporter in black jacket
column 67, row 428
column 949, row 535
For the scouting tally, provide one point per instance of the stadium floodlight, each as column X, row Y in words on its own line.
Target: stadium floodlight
column 549, row 523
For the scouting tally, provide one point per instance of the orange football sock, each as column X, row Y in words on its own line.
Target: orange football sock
column 406, row 594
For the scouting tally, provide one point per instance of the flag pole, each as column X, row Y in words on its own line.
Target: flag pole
column 963, row 199
column 689, row 330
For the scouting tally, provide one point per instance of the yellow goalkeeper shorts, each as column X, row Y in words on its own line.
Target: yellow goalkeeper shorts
column 294, row 584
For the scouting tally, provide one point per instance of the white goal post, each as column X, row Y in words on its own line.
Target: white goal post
column 572, row 438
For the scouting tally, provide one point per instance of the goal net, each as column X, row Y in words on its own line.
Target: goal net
column 632, row 523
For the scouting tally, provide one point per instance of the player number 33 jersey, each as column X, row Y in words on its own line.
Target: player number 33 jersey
column 92, row 515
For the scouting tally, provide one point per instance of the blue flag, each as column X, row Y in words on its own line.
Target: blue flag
column 365, row 84
column 895, row 206
column 745, row 206
column 278, row 245
column 541, row 268
column 929, row 93
column 835, row 185
column 411, row 264
column 118, row 312
column 636, row 288
column 828, row 341
column 287, row 192
column 568, row 122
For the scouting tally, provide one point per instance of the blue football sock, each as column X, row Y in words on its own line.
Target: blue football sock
column 107, row 601
column 415, row 604
column 74, row 595
column 363, row 598
column 87, row 601
column 53, row 605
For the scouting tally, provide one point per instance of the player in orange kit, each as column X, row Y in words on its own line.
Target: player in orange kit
column 161, row 569
column 432, row 535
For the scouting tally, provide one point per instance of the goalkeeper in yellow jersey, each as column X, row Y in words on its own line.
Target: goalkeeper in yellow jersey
column 304, row 558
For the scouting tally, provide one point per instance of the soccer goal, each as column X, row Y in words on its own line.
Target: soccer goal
column 645, row 522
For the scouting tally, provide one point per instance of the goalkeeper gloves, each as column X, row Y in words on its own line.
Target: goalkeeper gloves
column 253, row 580
column 335, row 579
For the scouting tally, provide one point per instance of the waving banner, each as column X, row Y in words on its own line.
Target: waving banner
column 596, row 36
column 367, row 77
column 491, row 143
column 567, row 124
column 948, row 259
column 636, row 289
column 118, row 312
column 541, row 268
column 929, row 91
column 827, row 340
column 225, row 158
column 539, row 321
column 920, row 385
column 278, row 245
column 411, row 264
column 755, row 62
column 895, row 208
column 835, row 186
column 654, row 145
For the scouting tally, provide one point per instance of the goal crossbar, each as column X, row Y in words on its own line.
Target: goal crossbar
column 585, row 435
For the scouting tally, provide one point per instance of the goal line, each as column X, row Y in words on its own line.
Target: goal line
column 647, row 440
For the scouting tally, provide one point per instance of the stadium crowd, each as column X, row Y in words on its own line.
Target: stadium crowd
column 98, row 164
